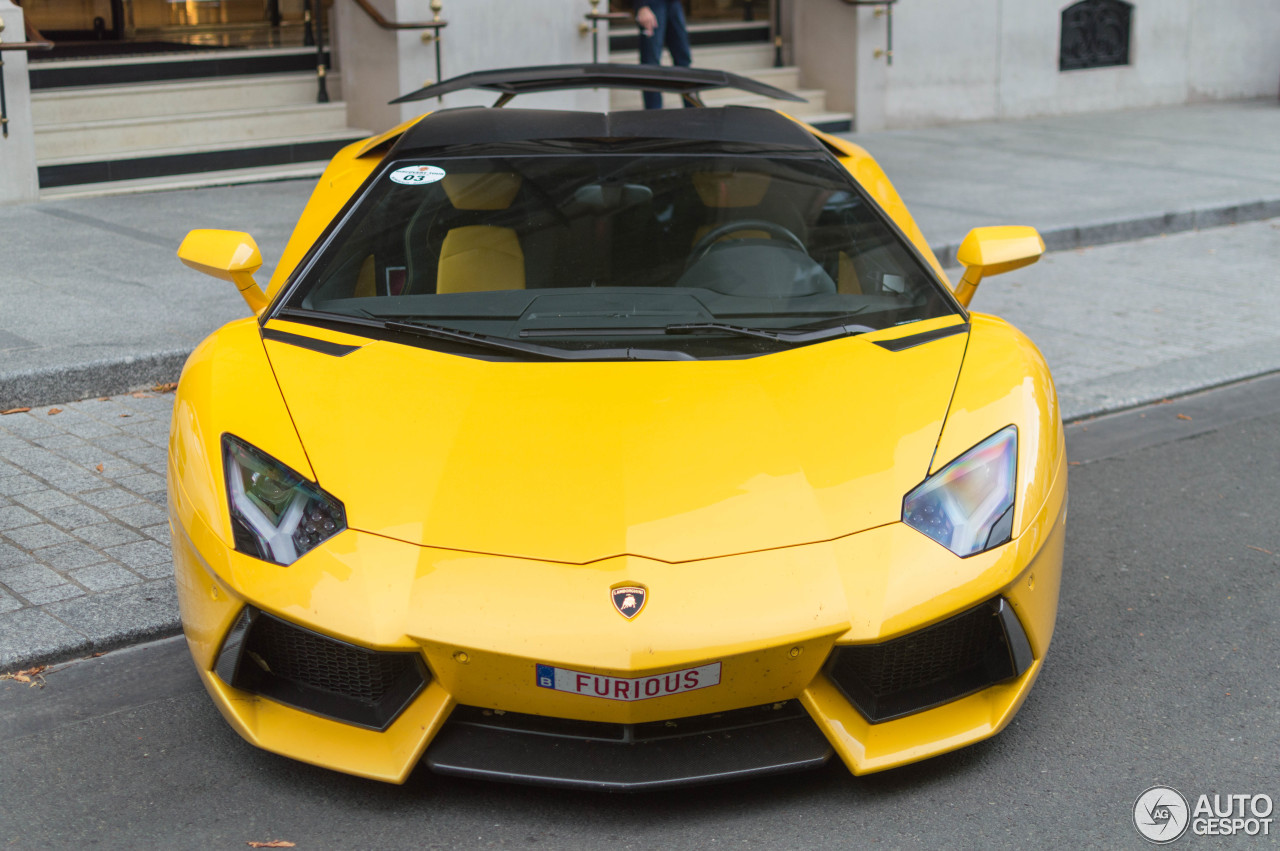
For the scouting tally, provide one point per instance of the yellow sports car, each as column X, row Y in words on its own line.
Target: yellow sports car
column 616, row 451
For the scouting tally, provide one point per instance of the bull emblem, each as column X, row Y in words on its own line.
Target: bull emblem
column 628, row 600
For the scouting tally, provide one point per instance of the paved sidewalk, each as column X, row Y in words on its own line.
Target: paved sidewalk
column 1135, row 322
column 96, row 302
column 84, row 536
column 1089, row 179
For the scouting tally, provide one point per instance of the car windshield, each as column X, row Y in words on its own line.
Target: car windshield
column 615, row 256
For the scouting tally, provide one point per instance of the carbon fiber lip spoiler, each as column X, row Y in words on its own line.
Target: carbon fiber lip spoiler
column 510, row 82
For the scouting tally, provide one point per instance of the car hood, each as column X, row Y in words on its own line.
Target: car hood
column 577, row 462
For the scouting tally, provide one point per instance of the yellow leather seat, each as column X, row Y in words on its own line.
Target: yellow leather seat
column 731, row 190
column 479, row 258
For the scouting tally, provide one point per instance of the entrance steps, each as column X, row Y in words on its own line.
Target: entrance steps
column 225, row 116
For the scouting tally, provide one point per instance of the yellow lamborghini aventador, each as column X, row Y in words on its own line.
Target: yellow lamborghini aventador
column 617, row 451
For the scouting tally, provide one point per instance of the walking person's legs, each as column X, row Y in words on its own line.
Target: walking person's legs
column 678, row 38
column 678, row 35
column 651, row 48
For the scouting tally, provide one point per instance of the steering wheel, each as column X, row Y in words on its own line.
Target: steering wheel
column 702, row 246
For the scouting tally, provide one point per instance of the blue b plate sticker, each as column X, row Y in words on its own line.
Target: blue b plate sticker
column 628, row 688
column 415, row 175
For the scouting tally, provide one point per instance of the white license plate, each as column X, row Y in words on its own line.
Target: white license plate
column 628, row 688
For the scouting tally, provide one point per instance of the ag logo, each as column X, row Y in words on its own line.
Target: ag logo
column 628, row 599
column 1160, row 814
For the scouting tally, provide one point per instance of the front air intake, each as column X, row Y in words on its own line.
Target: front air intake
column 959, row 656
column 271, row 657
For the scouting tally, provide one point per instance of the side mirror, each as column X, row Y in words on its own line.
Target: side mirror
column 227, row 254
column 992, row 251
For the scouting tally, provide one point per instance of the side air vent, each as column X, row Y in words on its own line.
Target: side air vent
column 267, row 656
column 959, row 656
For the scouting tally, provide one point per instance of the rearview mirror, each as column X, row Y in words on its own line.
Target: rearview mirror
column 229, row 255
column 992, row 251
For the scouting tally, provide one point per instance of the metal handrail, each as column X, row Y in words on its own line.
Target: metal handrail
column 887, row 11
column 381, row 21
column 322, row 70
column 777, row 33
column 13, row 45
column 595, row 16
column 434, row 26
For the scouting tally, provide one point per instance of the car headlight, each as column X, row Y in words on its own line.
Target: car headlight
column 276, row 514
column 967, row 506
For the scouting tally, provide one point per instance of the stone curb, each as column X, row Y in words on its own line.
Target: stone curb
column 96, row 623
column 52, row 385
column 86, row 646
column 1110, row 393
column 1127, row 230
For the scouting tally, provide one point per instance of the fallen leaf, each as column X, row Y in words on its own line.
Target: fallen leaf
column 30, row 676
column 141, row 395
column 275, row 843
column 1183, row 417
column 1259, row 549
column 53, row 411
column 126, row 415
column 99, row 468
column 166, row 387
column 104, row 398
column 1165, row 402
column 15, row 411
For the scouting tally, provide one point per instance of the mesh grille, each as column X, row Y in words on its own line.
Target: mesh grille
column 927, row 656
column 948, row 660
column 303, row 669
column 321, row 663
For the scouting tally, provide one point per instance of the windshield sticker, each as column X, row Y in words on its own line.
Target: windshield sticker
column 417, row 174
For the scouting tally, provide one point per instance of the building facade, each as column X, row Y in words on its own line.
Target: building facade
column 870, row 65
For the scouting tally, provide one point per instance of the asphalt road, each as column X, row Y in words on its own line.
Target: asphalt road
column 1164, row 669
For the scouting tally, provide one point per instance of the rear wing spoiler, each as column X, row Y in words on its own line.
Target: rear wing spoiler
column 689, row 83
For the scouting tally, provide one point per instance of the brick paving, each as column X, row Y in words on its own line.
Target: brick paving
column 84, row 535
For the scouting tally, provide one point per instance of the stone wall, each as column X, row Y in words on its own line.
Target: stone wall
column 966, row 60
column 17, row 152
column 377, row 65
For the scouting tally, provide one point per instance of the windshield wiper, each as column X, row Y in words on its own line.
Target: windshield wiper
column 503, row 344
column 484, row 341
column 813, row 336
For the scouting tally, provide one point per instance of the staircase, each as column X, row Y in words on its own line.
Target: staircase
column 159, row 121
column 196, row 119
column 749, row 60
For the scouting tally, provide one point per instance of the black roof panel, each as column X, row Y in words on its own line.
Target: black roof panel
column 468, row 126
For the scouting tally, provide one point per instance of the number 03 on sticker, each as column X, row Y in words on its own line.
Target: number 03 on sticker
column 623, row 688
column 416, row 175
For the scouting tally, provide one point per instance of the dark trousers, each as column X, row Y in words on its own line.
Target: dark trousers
column 672, row 32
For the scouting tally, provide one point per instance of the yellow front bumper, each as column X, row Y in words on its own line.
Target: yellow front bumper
column 483, row 622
